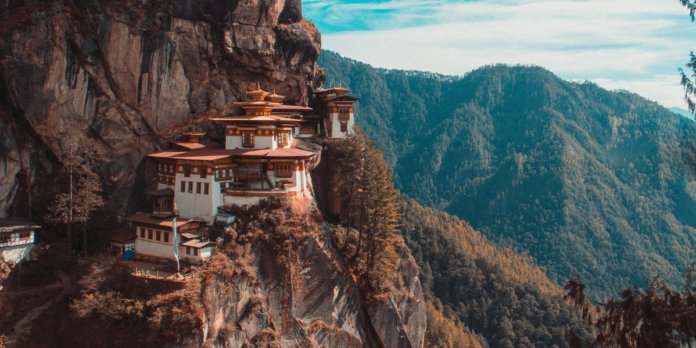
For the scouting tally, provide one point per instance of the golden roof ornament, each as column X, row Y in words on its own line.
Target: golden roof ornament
column 275, row 98
column 258, row 94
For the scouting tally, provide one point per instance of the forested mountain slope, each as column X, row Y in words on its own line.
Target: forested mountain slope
column 495, row 292
column 583, row 179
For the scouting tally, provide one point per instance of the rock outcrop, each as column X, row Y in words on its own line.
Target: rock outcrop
column 278, row 281
column 132, row 74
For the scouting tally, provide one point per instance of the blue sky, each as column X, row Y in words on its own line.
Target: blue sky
column 635, row 45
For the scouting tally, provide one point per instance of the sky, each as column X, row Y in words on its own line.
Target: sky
column 636, row 45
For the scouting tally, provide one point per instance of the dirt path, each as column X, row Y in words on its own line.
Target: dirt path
column 23, row 323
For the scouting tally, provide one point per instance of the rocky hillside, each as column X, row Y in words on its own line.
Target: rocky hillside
column 583, row 179
column 131, row 74
column 278, row 281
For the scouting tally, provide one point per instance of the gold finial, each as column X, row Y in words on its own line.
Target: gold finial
column 258, row 86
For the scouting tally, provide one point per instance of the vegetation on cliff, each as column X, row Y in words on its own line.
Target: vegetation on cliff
column 582, row 179
column 369, row 213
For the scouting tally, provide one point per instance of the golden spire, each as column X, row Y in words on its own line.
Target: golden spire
column 275, row 98
column 258, row 94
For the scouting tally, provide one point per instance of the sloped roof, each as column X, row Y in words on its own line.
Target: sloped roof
column 148, row 219
column 17, row 224
column 195, row 243
column 277, row 153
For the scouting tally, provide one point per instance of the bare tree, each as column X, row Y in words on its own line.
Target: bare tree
column 84, row 187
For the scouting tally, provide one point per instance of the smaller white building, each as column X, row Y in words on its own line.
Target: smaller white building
column 154, row 237
column 340, row 121
column 16, row 239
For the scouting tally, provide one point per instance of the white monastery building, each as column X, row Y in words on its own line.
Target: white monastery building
column 260, row 158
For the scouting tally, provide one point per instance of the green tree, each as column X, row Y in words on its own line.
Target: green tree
column 370, row 207
column 688, row 77
column 83, row 193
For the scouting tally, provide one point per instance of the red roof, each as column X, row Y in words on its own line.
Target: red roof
column 277, row 153
column 146, row 218
column 244, row 118
column 292, row 107
column 165, row 154
column 188, row 146
column 122, row 236
column 204, row 155
column 218, row 154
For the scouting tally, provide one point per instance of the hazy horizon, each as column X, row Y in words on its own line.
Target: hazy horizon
column 619, row 44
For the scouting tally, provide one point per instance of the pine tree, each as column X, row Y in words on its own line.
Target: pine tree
column 370, row 207
column 688, row 78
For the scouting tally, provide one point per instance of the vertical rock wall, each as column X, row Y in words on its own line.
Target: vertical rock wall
column 133, row 74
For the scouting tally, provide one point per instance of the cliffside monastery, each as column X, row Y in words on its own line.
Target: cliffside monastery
column 263, row 156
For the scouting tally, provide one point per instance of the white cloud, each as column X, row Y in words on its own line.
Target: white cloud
column 663, row 89
column 632, row 44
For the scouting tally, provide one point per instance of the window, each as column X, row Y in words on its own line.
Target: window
column 198, row 187
column 187, row 171
column 195, row 252
column 158, row 235
column 283, row 139
column 166, row 237
column 222, row 187
column 190, row 187
column 188, row 250
column 283, row 170
column 168, row 206
column 344, row 126
column 206, row 188
column 248, row 139
column 149, row 234
column 309, row 128
column 183, row 186
column 142, row 233
column 204, row 174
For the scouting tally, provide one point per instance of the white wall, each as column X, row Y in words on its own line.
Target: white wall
column 154, row 248
column 16, row 253
column 299, row 178
column 336, row 126
column 241, row 200
column 165, row 250
column 161, row 186
column 233, row 142
column 203, row 253
column 197, row 205
column 260, row 142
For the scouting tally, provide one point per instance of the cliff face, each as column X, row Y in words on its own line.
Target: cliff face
column 297, row 291
column 131, row 74
column 278, row 281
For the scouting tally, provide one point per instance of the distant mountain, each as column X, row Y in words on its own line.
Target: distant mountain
column 583, row 179
column 682, row 112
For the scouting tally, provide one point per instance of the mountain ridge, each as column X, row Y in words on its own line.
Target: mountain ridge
column 583, row 179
